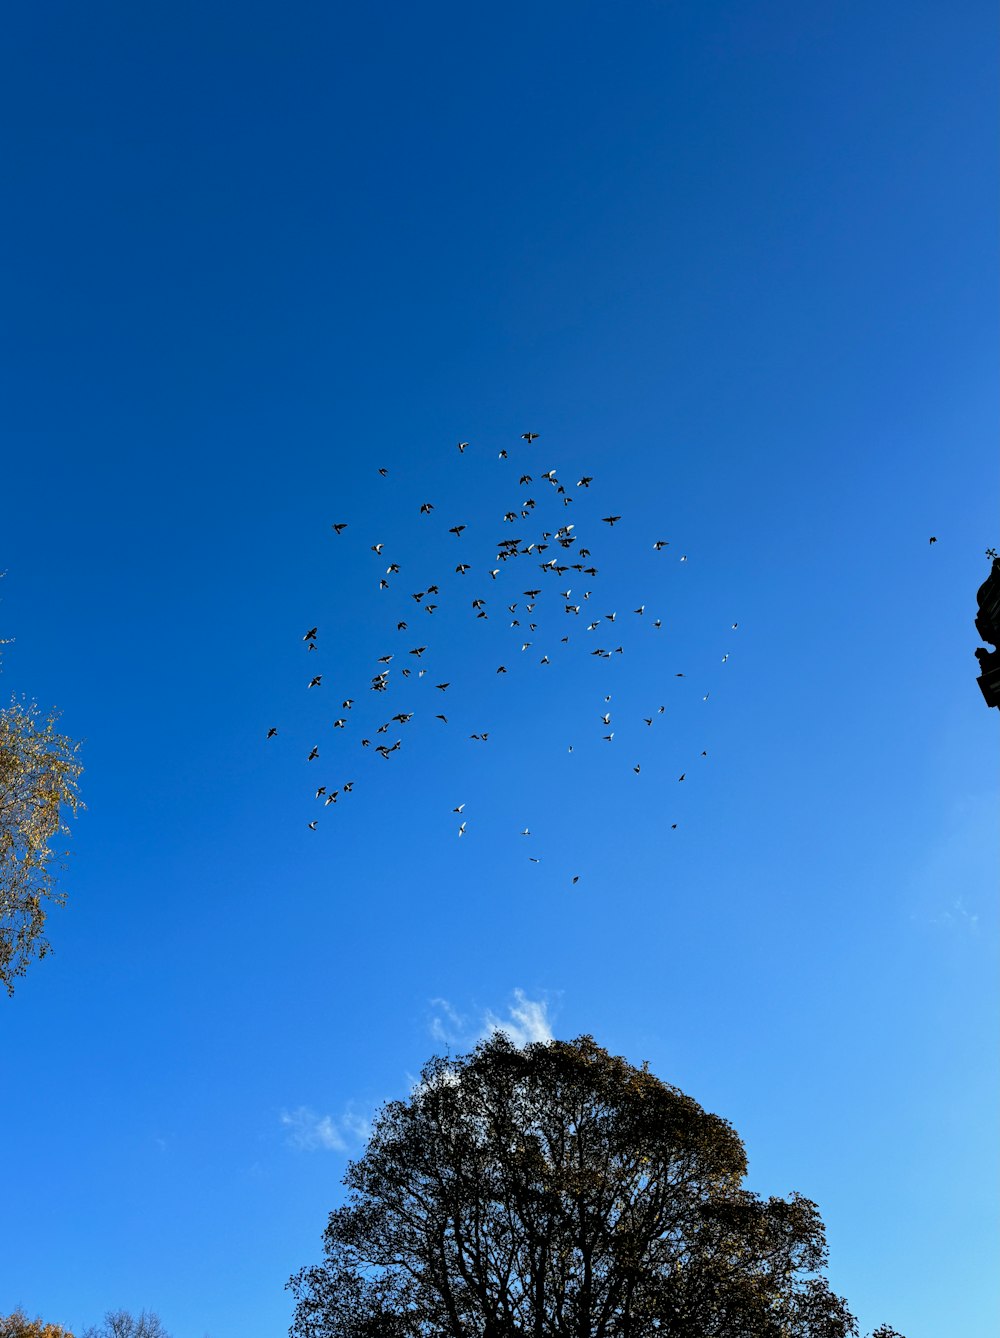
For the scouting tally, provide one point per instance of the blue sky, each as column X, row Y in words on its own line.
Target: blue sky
column 735, row 261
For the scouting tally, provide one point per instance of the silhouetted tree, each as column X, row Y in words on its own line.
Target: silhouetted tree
column 123, row 1324
column 559, row 1192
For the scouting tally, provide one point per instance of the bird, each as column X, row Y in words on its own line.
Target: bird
column 606, row 718
column 636, row 768
column 725, row 657
column 461, row 829
column 609, row 737
column 526, row 832
column 311, row 634
column 502, row 669
column 529, row 437
column 661, row 543
column 684, row 558
column 441, row 686
column 611, row 520
column 313, row 755
column 457, row 529
column 383, row 659
column 932, row 539
column 383, row 472
column 462, row 568
column 426, row 508
column 347, row 704
column 648, row 719
column 392, row 569
column 401, row 627
column 502, row 455
column 312, row 826
column 534, row 859
column 682, row 775
column 585, row 482
column 331, row 799
column 339, row 724
column 272, row 732
column 458, row 808
column 461, row 447
column 338, row 529
column 442, row 717
column 735, row 625
column 418, row 650
column 315, row 682
column 383, row 584
column 377, row 549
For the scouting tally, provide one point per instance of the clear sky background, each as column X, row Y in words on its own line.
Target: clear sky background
column 735, row 261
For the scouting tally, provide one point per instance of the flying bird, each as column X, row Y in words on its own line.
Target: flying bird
column 456, row 529
column 312, row 826
column 315, row 682
column 311, row 634
column 661, row 543
column 585, row 482
column 426, row 508
column 461, row 447
column 932, row 539
column 611, row 520
column 337, row 529
column 271, row 732
column 313, row 755
column 529, row 437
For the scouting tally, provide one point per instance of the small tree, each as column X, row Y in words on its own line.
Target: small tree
column 123, row 1324
column 559, row 1192
column 38, row 784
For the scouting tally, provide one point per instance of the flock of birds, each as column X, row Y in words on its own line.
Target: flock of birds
column 561, row 571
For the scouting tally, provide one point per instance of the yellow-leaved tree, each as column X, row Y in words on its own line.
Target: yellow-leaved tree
column 38, row 789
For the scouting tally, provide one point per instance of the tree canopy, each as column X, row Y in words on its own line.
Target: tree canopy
column 38, row 785
column 18, row 1325
column 558, row 1191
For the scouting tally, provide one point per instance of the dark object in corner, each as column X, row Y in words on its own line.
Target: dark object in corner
column 988, row 627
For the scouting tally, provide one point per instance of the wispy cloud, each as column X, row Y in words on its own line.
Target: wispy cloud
column 309, row 1131
column 957, row 867
column 526, row 1020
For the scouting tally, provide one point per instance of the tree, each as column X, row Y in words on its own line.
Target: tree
column 38, row 784
column 123, row 1324
column 559, row 1192
column 18, row 1325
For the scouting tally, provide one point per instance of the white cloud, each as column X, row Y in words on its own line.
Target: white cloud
column 527, row 1020
column 309, row 1131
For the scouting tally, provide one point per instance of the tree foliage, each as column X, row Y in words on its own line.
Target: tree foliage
column 18, row 1325
column 559, row 1192
column 38, row 787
